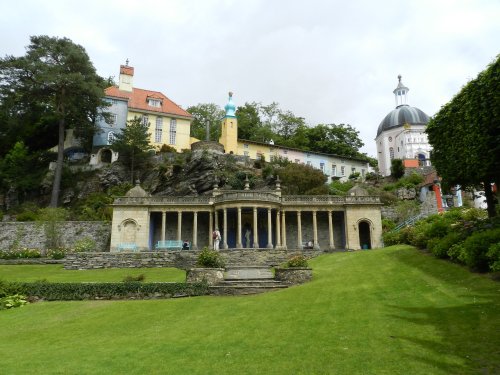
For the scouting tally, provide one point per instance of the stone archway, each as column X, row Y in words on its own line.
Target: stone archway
column 365, row 241
column 106, row 156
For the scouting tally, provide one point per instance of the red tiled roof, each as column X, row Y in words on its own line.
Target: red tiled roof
column 137, row 99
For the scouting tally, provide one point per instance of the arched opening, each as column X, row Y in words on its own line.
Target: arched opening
column 106, row 156
column 421, row 159
column 365, row 241
column 129, row 230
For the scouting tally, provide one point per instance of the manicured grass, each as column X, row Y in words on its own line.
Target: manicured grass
column 56, row 273
column 389, row 311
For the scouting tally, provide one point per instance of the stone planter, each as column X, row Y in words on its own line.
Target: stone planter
column 293, row 275
column 211, row 275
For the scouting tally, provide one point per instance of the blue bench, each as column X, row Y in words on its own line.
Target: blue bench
column 127, row 247
column 170, row 245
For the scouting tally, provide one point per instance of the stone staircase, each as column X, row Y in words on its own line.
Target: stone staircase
column 244, row 280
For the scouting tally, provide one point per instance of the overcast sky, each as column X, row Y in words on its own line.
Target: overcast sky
column 327, row 61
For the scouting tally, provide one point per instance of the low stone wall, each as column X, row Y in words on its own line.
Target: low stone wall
column 211, row 276
column 32, row 234
column 180, row 259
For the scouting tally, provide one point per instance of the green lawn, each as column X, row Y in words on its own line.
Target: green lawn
column 389, row 311
column 56, row 273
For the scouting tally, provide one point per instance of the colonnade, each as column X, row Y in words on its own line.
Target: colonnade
column 280, row 226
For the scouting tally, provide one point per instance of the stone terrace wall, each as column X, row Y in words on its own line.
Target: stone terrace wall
column 32, row 234
column 180, row 259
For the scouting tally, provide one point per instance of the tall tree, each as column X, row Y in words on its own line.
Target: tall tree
column 203, row 114
column 248, row 120
column 132, row 144
column 334, row 139
column 58, row 76
column 465, row 135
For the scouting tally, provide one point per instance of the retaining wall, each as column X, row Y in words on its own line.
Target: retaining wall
column 183, row 259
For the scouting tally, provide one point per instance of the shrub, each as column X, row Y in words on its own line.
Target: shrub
column 84, row 245
column 210, row 259
column 57, row 253
column 130, row 278
column 440, row 246
column 297, row 261
column 85, row 291
column 476, row 247
column 397, row 168
column 455, row 250
column 387, row 225
column 493, row 255
column 23, row 253
column 392, row 238
column 26, row 216
column 9, row 302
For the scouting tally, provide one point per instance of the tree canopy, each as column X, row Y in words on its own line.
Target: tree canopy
column 132, row 144
column 53, row 84
column 203, row 114
column 465, row 135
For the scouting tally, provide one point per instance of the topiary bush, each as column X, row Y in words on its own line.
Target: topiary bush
column 210, row 259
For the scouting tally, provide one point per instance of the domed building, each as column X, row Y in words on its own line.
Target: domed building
column 401, row 134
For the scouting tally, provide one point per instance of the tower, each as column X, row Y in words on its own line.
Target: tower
column 126, row 79
column 229, row 133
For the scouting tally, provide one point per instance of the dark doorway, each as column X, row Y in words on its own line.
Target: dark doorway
column 106, row 156
column 364, row 235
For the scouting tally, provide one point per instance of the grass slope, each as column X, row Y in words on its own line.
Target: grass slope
column 389, row 311
column 56, row 273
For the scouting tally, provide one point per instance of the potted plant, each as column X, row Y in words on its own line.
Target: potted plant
column 209, row 268
column 295, row 271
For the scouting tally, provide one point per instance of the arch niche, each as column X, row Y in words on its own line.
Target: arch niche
column 106, row 155
column 129, row 228
column 364, row 230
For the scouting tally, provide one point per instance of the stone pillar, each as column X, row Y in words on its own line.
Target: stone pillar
column 224, row 222
column 255, row 230
column 210, row 230
column 330, row 230
column 315, row 230
column 269, row 230
column 163, row 224
column 283, row 229
column 278, row 230
column 216, row 224
column 179, row 226
column 194, row 244
column 239, row 245
column 299, row 230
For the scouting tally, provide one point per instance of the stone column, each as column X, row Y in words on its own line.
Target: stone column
column 283, row 229
column 315, row 230
column 194, row 244
column 216, row 224
column 210, row 230
column 239, row 245
column 330, row 230
column 299, row 230
column 224, row 222
column 179, row 226
column 278, row 228
column 269, row 230
column 163, row 224
column 255, row 230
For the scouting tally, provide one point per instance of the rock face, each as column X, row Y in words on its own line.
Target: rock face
column 406, row 193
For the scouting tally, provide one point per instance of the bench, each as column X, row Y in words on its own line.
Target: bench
column 170, row 245
column 127, row 247
column 306, row 245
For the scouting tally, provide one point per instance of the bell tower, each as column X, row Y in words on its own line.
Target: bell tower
column 229, row 133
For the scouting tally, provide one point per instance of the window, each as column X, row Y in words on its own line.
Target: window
column 285, row 152
column 158, row 129
column 173, row 131
column 114, row 101
column 391, row 153
column 342, row 171
column 154, row 102
column 245, row 146
column 297, row 161
column 353, row 170
column 390, row 139
column 322, row 167
column 145, row 120
column 309, row 162
column 334, row 170
column 113, row 119
column 111, row 137
column 245, row 153
column 259, row 156
column 362, row 173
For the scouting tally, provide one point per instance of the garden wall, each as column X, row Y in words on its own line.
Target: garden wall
column 180, row 259
column 32, row 234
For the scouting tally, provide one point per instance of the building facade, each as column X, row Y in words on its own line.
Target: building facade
column 168, row 123
column 401, row 134
column 248, row 219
